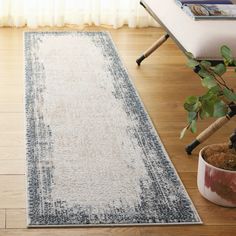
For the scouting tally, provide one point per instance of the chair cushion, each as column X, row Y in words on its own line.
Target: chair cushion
column 202, row 38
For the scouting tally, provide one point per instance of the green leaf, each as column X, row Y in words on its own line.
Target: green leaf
column 193, row 126
column 205, row 64
column 204, row 73
column 229, row 94
column 190, row 107
column 208, row 107
column 219, row 69
column 192, row 103
column 220, row 109
column 192, row 99
column 192, row 63
column 192, row 116
column 209, row 82
column 226, row 54
column 207, row 102
column 183, row 132
column 203, row 114
column 215, row 90
column 211, row 95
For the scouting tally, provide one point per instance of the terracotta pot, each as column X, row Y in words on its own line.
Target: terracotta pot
column 215, row 184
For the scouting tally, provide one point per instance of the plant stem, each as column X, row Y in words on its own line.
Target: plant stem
column 213, row 73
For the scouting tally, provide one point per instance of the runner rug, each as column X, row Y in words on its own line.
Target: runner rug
column 93, row 155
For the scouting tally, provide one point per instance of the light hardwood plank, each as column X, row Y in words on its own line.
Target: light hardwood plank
column 12, row 167
column 11, row 122
column 9, row 153
column 12, row 139
column 127, row 231
column 189, row 179
column 15, row 218
column 215, row 215
column 71, row 232
column 12, row 191
column 7, row 107
column 2, row 218
column 189, row 230
column 11, row 96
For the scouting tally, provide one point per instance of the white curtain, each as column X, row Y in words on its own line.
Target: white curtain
column 35, row 13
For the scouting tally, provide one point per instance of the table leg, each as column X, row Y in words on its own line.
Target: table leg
column 150, row 50
column 211, row 129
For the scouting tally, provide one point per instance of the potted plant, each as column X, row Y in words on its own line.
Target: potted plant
column 216, row 179
column 217, row 163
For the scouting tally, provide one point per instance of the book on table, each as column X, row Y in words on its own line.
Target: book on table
column 210, row 11
column 182, row 2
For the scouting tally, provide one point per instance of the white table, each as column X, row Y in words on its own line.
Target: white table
column 202, row 38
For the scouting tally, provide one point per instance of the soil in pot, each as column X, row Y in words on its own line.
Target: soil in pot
column 221, row 156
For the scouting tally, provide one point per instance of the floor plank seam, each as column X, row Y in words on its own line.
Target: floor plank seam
column 5, row 212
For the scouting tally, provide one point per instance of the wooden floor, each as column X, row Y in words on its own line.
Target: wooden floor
column 163, row 81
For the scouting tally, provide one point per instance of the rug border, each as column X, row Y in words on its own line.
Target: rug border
column 200, row 222
column 25, row 128
column 115, row 225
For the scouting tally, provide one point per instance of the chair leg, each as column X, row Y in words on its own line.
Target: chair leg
column 150, row 50
column 203, row 136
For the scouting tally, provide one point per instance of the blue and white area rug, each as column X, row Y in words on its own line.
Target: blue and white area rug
column 93, row 155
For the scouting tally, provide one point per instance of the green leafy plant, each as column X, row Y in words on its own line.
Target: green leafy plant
column 214, row 103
